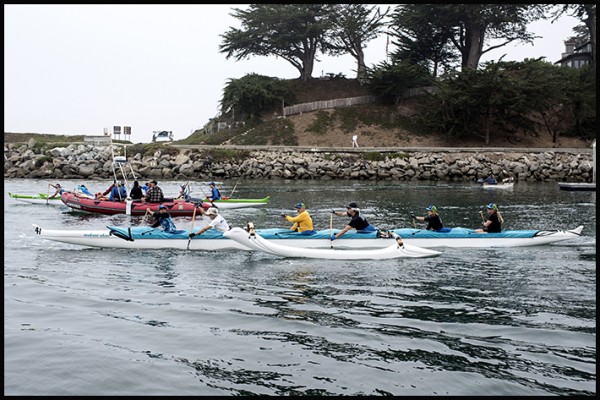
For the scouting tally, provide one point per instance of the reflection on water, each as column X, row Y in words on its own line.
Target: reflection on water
column 471, row 322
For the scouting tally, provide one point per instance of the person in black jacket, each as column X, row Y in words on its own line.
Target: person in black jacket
column 356, row 222
column 434, row 222
column 136, row 192
column 493, row 223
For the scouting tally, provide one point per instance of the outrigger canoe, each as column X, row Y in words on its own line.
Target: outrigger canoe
column 150, row 238
column 40, row 198
column 256, row 242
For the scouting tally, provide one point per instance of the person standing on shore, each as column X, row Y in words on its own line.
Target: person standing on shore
column 354, row 140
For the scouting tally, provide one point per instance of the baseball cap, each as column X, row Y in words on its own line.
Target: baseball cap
column 162, row 207
column 154, row 182
column 492, row 206
column 211, row 183
column 300, row 205
column 431, row 208
column 353, row 205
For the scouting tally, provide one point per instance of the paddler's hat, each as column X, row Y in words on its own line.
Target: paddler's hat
column 353, row 206
column 492, row 206
column 431, row 208
column 162, row 207
column 299, row 205
column 212, row 211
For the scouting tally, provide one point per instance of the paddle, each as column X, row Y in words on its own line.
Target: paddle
column 414, row 223
column 233, row 190
column 331, row 229
column 192, row 227
column 48, row 194
column 481, row 215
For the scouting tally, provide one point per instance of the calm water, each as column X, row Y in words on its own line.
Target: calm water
column 84, row 321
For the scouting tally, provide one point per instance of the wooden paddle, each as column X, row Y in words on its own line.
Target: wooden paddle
column 233, row 190
column 192, row 227
column 145, row 219
column 48, row 194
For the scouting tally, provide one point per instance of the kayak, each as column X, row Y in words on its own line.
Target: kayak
column 399, row 249
column 141, row 237
column 507, row 185
column 228, row 203
column 40, row 198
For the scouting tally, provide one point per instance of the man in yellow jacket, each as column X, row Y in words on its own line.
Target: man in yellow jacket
column 302, row 222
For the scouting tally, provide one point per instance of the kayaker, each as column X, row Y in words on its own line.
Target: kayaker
column 357, row 222
column 58, row 192
column 162, row 218
column 490, row 180
column 184, row 192
column 216, row 221
column 493, row 223
column 434, row 222
column 214, row 192
column 302, row 221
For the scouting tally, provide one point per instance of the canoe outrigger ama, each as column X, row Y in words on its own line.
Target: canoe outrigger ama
column 40, row 198
column 250, row 238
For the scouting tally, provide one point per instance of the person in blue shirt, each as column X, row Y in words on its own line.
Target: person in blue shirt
column 59, row 190
column 162, row 218
column 490, row 180
column 214, row 192
column 118, row 192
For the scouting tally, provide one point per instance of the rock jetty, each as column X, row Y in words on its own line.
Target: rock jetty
column 84, row 161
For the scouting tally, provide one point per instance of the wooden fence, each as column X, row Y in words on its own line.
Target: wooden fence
column 349, row 101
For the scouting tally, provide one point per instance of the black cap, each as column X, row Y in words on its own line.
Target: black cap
column 154, row 182
column 352, row 205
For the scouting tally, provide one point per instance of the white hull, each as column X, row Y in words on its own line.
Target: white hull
column 103, row 239
column 52, row 202
column 229, row 206
column 498, row 185
column 395, row 250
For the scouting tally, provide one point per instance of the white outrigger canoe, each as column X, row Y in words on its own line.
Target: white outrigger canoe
column 396, row 250
column 40, row 198
column 152, row 238
column 508, row 185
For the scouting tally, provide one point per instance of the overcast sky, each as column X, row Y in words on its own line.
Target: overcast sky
column 78, row 69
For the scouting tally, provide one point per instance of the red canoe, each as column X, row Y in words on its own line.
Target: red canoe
column 177, row 208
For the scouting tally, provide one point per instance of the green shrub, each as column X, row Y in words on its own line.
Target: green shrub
column 39, row 162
